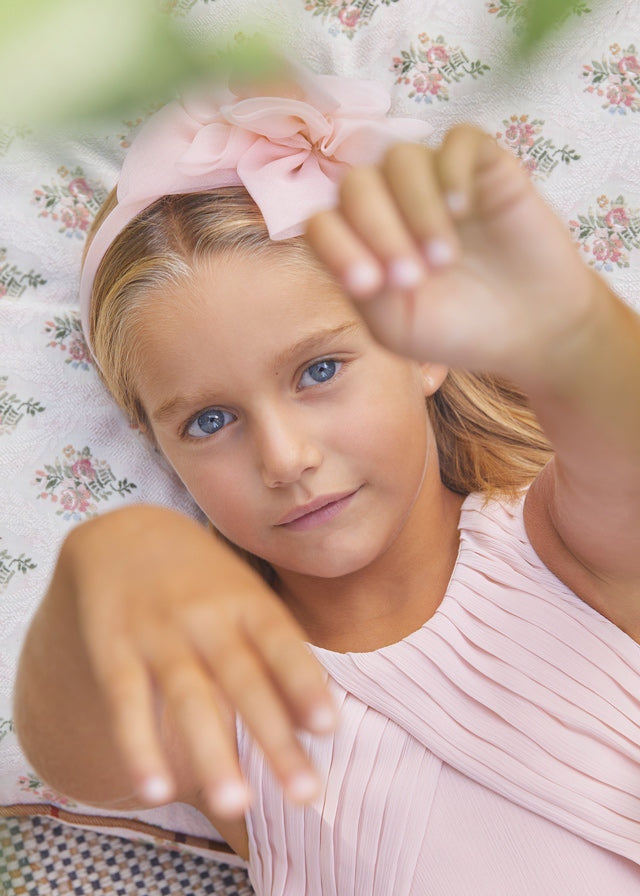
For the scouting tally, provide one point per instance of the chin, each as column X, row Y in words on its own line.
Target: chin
column 330, row 564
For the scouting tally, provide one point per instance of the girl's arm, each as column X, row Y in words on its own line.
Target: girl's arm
column 151, row 635
column 453, row 257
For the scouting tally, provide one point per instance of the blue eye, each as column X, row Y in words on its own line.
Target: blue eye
column 321, row 371
column 208, row 423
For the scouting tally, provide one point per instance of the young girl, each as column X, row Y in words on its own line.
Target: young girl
column 473, row 598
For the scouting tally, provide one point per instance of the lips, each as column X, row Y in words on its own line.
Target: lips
column 317, row 511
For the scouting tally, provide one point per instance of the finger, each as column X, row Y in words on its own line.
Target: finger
column 297, row 674
column 196, row 711
column 477, row 176
column 370, row 209
column 344, row 254
column 124, row 681
column 411, row 174
column 378, row 232
column 242, row 679
column 456, row 163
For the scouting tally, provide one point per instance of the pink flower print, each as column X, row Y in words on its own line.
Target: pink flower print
column 73, row 216
column 518, row 135
column 437, row 56
column 3, row 290
column 618, row 94
column 617, row 218
column 607, row 249
column 629, row 64
column 69, row 499
column 68, row 216
column 428, row 82
column 84, row 498
column 78, row 350
column 80, row 189
column 529, row 166
column 349, row 16
column 83, row 469
column 39, row 198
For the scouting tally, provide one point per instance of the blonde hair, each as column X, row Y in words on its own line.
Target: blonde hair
column 488, row 438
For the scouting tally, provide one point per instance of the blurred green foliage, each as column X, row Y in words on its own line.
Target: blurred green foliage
column 542, row 17
column 65, row 61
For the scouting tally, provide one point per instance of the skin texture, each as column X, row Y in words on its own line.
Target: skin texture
column 451, row 258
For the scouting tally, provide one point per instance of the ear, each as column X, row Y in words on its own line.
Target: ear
column 433, row 376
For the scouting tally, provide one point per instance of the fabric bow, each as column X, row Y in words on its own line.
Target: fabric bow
column 290, row 152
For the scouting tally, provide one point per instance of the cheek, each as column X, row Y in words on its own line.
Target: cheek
column 224, row 496
column 219, row 487
column 388, row 425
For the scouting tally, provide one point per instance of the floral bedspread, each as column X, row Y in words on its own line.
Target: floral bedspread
column 571, row 116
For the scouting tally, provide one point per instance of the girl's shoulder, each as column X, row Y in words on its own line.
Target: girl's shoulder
column 517, row 541
column 495, row 538
column 615, row 600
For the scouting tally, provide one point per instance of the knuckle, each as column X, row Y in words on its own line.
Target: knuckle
column 357, row 182
column 182, row 682
column 238, row 674
column 401, row 155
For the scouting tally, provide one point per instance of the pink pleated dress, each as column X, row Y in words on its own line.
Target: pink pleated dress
column 493, row 752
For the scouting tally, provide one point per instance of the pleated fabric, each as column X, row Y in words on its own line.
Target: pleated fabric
column 496, row 750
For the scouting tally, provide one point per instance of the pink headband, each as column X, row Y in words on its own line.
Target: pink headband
column 289, row 154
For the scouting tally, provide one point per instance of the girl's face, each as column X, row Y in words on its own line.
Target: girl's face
column 302, row 439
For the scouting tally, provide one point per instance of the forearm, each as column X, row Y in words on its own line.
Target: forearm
column 59, row 711
column 587, row 398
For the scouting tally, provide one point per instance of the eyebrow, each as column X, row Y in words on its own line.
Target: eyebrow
column 304, row 347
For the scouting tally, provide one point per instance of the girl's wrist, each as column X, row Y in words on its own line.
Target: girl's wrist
column 562, row 359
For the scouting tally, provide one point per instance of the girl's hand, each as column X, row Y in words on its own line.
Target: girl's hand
column 453, row 257
column 178, row 634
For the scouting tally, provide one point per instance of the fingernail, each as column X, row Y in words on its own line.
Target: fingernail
column 404, row 273
column 362, row 278
column 322, row 719
column 438, row 253
column 303, row 787
column 156, row 789
column 230, row 798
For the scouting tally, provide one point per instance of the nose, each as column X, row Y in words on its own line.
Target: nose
column 286, row 448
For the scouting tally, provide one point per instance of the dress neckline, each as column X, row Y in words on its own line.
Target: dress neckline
column 474, row 500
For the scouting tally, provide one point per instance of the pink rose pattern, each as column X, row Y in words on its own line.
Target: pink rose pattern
column 345, row 17
column 70, row 203
column 429, row 68
column 616, row 80
column 538, row 154
column 78, row 482
column 66, row 334
column 608, row 235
